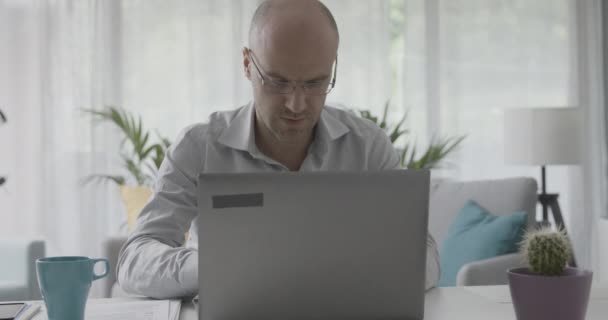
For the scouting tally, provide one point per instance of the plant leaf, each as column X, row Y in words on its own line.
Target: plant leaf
column 164, row 141
column 136, row 152
column 384, row 114
column 153, row 170
column 436, row 152
column 119, row 180
column 147, row 152
column 134, row 170
column 159, row 156
column 403, row 156
column 366, row 114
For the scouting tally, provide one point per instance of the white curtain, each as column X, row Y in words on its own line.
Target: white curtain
column 466, row 61
column 454, row 66
column 589, row 230
column 182, row 60
column 55, row 60
column 171, row 62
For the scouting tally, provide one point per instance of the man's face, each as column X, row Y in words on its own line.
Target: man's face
column 289, row 117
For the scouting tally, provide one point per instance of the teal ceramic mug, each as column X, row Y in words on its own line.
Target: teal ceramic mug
column 65, row 283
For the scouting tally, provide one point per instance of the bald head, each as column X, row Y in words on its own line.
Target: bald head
column 290, row 41
column 293, row 18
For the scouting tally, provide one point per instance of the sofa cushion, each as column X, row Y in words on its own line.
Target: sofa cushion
column 476, row 234
column 499, row 196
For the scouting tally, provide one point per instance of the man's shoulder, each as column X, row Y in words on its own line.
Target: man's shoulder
column 356, row 125
column 213, row 127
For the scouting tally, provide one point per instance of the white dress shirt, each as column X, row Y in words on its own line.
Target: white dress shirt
column 154, row 263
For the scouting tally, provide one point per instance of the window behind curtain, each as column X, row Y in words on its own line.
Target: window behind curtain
column 458, row 64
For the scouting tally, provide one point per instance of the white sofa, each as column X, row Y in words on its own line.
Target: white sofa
column 502, row 196
column 18, row 268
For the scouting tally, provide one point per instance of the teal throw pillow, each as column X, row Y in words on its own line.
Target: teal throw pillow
column 475, row 234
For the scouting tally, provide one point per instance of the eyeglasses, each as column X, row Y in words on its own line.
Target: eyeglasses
column 311, row 88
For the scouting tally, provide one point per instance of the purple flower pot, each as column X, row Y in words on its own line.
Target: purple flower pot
column 537, row 297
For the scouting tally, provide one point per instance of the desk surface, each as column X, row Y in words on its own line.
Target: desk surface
column 472, row 303
column 454, row 303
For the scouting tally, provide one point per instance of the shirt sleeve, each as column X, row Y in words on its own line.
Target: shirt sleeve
column 153, row 261
column 384, row 157
column 433, row 270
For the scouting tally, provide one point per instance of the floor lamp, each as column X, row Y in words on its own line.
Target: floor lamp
column 2, row 120
column 543, row 137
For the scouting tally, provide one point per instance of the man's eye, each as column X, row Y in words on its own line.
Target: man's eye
column 316, row 83
column 280, row 83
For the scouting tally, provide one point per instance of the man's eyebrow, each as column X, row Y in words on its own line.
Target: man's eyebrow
column 319, row 78
column 277, row 76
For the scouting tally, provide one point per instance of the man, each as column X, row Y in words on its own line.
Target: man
column 291, row 63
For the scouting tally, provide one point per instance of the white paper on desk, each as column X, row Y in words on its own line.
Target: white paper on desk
column 120, row 309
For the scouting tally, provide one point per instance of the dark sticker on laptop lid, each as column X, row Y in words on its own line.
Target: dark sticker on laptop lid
column 238, row 201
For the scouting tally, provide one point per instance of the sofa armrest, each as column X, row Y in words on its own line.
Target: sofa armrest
column 110, row 250
column 492, row 271
column 36, row 250
column 18, row 279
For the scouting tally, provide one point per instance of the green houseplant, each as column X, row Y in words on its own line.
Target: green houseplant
column 141, row 156
column 549, row 288
column 141, row 159
column 437, row 150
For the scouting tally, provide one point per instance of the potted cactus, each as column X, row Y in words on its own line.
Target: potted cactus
column 549, row 288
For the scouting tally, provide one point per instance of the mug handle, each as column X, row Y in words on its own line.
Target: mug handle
column 106, row 272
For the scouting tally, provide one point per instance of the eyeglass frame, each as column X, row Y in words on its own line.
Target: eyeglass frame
column 291, row 84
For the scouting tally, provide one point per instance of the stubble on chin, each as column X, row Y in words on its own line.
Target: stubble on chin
column 291, row 135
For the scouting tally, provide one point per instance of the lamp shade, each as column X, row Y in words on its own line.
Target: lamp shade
column 542, row 136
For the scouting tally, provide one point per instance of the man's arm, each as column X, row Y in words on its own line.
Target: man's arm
column 433, row 269
column 383, row 156
column 153, row 261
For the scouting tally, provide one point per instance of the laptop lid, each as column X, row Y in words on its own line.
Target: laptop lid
column 330, row 245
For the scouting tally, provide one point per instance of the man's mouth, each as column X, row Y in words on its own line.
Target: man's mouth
column 293, row 119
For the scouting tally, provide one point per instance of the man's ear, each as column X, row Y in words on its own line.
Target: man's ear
column 246, row 63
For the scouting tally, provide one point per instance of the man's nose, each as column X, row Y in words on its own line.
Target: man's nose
column 296, row 100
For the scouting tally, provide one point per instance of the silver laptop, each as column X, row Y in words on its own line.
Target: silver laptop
column 323, row 245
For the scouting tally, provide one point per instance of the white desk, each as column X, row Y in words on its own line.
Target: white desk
column 472, row 303
column 491, row 302
column 458, row 303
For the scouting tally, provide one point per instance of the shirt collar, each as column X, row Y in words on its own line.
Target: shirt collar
column 240, row 134
column 329, row 128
